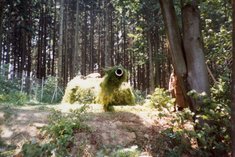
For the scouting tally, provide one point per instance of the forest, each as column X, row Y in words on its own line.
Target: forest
column 117, row 78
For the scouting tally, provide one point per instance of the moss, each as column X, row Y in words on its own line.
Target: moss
column 114, row 89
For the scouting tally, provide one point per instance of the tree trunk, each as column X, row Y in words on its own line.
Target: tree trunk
column 44, row 36
column 84, row 45
column 197, row 73
column 176, row 46
column 173, row 34
column 60, row 49
column 107, row 36
column 151, row 65
column 54, row 41
column 66, row 46
column 233, row 84
column 1, row 19
column 92, row 39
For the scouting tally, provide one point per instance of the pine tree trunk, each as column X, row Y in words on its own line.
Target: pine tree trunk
column 54, row 41
column 66, row 46
column 151, row 66
column 1, row 20
column 77, row 55
column 92, row 32
column 84, row 45
column 107, row 36
column 60, row 49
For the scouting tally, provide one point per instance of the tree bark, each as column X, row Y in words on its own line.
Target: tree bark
column 176, row 46
column 196, row 68
column 174, row 37
column 151, row 65
column 107, row 36
column 84, row 45
column 233, row 83
column 1, row 19
column 54, row 41
column 60, row 49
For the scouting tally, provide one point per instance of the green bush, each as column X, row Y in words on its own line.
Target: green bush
column 18, row 98
column 59, row 134
column 211, row 131
column 62, row 127
column 161, row 99
column 10, row 92
column 30, row 149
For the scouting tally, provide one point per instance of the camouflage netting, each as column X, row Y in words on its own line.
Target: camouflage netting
column 114, row 89
column 110, row 90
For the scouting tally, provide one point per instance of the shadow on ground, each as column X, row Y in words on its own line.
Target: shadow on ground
column 128, row 126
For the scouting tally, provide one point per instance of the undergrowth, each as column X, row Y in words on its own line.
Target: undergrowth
column 10, row 92
column 161, row 99
column 59, row 134
column 185, row 135
column 13, row 91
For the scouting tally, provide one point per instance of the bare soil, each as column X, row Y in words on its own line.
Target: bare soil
column 127, row 126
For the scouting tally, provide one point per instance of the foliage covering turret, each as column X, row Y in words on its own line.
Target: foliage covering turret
column 110, row 90
column 82, row 90
column 114, row 89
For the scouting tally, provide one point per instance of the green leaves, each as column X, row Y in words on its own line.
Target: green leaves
column 211, row 132
column 161, row 99
column 62, row 127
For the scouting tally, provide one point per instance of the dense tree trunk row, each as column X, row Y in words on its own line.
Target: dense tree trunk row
column 67, row 38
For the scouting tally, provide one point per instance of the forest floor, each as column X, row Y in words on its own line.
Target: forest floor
column 127, row 127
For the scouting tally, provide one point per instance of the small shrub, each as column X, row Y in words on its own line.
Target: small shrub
column 10, row 92
column 30, row 149
column 61, row 129
column 161, row 99
column 18, row 98
column 59, row 134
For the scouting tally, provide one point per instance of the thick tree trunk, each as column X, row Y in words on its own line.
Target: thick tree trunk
column 197, row 72
column 174, row 37
column 176, row 46
column 233, row 85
